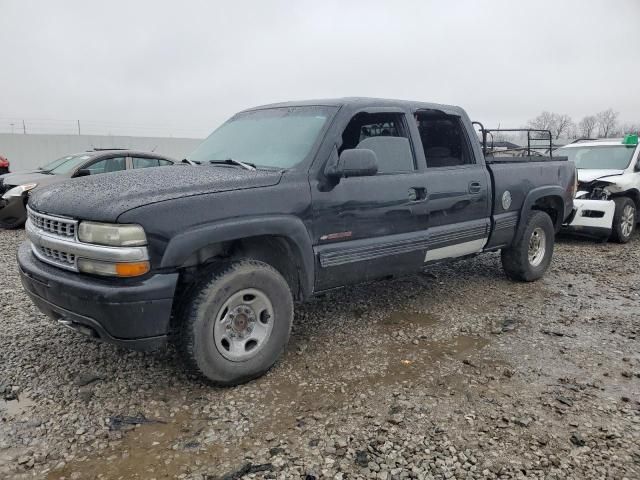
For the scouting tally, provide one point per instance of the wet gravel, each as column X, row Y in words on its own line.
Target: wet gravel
column 456, row 373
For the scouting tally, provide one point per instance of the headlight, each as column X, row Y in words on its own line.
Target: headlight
column 112, row 235
column 19, row 190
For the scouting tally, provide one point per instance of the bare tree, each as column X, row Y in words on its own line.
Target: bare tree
column 557, row 124
column 607, row 121
column 563, row 123
column 544, row 121
column 588, row 125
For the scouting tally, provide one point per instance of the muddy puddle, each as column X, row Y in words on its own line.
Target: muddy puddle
column 19, row 406
column 147, row 451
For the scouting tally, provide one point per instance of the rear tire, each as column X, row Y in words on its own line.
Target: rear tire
column 624, row 220
column 528, row 259
column 237, row 323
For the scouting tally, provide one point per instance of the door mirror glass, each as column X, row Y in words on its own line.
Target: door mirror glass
column 357, row 162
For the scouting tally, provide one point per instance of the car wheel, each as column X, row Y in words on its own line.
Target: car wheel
column 237, row 323
column 528, row 259
column 624, row 220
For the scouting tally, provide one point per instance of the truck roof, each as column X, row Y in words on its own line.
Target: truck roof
column 592, row 143
column 364, row 102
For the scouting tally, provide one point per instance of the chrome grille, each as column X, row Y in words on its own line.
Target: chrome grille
column 59, row 226
column 57, row 256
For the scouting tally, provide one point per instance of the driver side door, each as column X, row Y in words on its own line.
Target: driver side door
column 369, row 227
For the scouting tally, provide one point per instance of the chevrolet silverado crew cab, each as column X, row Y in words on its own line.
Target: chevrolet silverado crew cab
column 608, row 197
column 280, row 203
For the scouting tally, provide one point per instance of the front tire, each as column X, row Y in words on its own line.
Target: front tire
column 237, row 323
column 528, row 259
column 624, row 220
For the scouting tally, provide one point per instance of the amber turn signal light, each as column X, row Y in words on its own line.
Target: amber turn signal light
column 133, row 269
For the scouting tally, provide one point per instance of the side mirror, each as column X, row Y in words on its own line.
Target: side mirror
column 83, row 172
column 637, row 167
column 357, row 162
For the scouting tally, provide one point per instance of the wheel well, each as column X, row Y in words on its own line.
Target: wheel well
column 278, row 251
column 552, row 206
column 632, row 194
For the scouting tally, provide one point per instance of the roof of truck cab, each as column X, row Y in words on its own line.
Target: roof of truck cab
column 364, row 102
column 606, row 142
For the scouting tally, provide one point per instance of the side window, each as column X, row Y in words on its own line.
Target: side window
column 164, row 163
column 142, row 162
column 443, row 140
column 385, row 134
column 107, row 165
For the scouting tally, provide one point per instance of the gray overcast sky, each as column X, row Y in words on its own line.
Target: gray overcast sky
column 188, row 65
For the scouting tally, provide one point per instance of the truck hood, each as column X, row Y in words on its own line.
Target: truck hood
column 106, row 196
column 589, row 175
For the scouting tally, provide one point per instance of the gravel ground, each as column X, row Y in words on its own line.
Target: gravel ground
column 457, row 373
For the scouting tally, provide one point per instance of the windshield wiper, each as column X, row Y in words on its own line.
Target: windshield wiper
column 231, row 161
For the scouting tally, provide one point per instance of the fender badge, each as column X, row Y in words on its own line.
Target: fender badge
column 506, row 199
column 336, row 236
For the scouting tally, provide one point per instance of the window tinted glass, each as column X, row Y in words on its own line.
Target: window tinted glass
column 141, row 162
column 164, row 163
column 443, row 140
column 274, row 137
column 107, row 165
column 386, row 135
column 616, row 157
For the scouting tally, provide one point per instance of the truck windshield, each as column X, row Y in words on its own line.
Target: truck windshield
column 271, row 138
column 605, row 157
column 65, row 164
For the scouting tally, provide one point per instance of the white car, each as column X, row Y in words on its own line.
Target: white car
column 608, row 197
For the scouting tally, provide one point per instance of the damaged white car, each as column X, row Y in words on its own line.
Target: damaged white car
column 607, row 202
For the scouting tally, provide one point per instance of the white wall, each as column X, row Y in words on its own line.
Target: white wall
column 32, row 150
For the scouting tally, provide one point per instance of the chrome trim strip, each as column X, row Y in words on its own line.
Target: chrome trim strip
column 84, row 250
column 456, row 250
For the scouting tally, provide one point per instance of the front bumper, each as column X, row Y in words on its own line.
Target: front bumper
column 131, row 313
column 592, row 217
column 13, row 212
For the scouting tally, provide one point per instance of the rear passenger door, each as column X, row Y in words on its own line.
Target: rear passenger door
column 458, row 209
column 368, row 227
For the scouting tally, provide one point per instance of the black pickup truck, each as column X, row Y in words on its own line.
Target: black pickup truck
column 280, row 203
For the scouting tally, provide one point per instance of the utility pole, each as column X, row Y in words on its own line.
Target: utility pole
column 24, row 128
column 78, row 127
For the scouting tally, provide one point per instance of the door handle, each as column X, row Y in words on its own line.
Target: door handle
column 475, row 187
column 417, row 193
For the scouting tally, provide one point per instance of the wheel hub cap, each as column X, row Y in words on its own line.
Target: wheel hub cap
column 628, row 219
column 243, row 324
column 537, row 247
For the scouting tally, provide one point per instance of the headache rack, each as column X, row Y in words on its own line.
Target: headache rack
column 538, row 145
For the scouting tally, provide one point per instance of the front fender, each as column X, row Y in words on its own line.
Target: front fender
column 182, row 246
